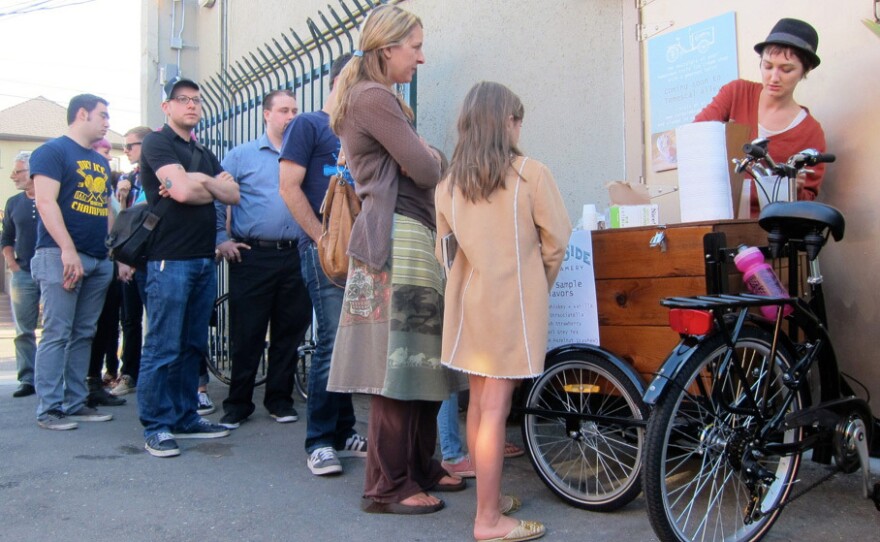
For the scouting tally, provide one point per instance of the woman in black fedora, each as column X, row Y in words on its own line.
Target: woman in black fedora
column 769, row 107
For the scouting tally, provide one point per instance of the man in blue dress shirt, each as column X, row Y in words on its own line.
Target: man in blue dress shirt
column 265, row 281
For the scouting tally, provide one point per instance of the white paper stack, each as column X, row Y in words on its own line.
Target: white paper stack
column 703, row 176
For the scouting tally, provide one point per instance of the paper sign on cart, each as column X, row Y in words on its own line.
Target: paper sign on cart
column 574, row 313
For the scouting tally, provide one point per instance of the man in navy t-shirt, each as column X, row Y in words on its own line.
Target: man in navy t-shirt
column 72, row 185
column 309, row 147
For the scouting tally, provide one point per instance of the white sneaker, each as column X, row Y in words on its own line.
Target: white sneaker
column 124, row 386
column 206, row 406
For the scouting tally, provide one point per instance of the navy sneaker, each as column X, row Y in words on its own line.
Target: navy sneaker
column 355, row 446
column 202, row 429
column 206, row 406
column 162, row 445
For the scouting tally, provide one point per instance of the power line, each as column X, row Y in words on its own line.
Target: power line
column 40, row 5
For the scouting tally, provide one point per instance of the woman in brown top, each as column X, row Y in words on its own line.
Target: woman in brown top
column 388, row 343
column 512, row 229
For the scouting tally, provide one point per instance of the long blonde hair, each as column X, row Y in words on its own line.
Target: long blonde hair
column 385, row 26
column 484, row 151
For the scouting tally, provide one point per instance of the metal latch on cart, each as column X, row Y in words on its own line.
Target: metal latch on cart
column 659, row 240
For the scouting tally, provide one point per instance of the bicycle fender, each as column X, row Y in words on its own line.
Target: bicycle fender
column 598, row 351
column 670, row 368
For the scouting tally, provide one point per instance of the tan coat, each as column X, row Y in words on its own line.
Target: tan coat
column 509, row 253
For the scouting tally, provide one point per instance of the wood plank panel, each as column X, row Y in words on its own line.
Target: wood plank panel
column 636, row 302
column 625, row 253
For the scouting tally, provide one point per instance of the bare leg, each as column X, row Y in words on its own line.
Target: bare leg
column 487, row 417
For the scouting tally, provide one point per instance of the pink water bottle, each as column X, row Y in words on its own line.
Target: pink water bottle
column 760, row 278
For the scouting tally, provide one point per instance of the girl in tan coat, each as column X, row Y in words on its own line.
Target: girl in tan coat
column 511, row 228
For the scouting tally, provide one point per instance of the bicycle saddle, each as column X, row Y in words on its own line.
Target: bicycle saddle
column 807, row 223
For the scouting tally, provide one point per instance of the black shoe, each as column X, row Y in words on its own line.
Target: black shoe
column 102, row 397
column 284, row 414
column 232, row 420
column 24, row 390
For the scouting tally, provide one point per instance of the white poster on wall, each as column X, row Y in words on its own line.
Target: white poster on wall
column 574, row 315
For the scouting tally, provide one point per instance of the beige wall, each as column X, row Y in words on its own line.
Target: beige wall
column 564, row 59
column 842, row 94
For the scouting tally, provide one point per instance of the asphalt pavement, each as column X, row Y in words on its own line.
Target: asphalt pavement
column 98, row 484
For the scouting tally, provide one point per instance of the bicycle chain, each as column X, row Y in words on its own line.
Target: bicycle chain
column 831, row 473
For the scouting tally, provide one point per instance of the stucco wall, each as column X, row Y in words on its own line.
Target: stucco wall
column 564, row 59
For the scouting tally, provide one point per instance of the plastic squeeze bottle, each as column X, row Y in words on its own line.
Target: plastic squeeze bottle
column 760, row 278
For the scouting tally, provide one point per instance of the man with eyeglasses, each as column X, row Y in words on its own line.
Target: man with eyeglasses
column 72, row 188
column 129, row 191
column 181, row 279
column 18, row 241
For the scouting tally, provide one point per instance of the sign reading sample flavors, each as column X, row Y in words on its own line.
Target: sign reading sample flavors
column 574, row 317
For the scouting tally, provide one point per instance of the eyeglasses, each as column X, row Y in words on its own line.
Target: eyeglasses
column 17, row 171
column 184, row 100
column 129, row 146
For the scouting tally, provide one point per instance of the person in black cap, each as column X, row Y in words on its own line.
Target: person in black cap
column 181, row 179
column 769, row 108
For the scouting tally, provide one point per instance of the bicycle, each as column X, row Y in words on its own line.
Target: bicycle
column 735, row 405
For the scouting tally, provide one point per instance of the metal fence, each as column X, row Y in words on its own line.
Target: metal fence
column 232, row 97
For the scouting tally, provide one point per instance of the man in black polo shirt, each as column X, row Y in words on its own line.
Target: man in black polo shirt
column 181, row 280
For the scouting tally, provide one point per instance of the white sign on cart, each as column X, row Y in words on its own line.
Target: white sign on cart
column 574, row 315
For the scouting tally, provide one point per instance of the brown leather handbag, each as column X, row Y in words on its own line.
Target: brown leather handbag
column 340, row 208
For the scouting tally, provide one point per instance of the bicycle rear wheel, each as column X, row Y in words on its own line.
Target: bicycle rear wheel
column 219, row 356
column 588, row 463
column 698, row 454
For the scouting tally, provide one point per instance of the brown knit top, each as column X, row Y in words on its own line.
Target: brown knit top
column 379, row 141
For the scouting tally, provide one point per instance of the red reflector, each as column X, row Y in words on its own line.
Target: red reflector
column 690, row 321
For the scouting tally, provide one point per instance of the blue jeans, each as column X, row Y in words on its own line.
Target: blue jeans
column 180, row 296
column 69, row 322
column 25, row 298
column 447, row 427
column 329, row 415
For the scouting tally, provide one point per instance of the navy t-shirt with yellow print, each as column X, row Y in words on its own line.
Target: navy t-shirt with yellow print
column 84, row 176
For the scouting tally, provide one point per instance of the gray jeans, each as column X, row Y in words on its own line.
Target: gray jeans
column 69, row 322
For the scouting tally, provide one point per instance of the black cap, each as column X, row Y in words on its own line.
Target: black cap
column 794, row 33
column 176, row 83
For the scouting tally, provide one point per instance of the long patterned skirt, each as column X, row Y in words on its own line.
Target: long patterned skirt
column 388, row 342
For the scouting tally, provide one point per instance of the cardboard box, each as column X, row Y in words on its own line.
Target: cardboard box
column 628, row 216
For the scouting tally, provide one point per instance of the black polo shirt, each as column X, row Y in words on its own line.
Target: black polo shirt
column 185, row 232
column 20, row 229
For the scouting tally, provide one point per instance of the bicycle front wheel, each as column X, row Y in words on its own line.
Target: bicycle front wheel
column 582, row 448
column 698, row 454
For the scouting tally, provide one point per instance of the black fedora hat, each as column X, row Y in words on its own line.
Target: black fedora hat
column 794, row 33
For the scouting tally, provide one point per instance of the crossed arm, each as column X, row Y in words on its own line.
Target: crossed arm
column 196, row 188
